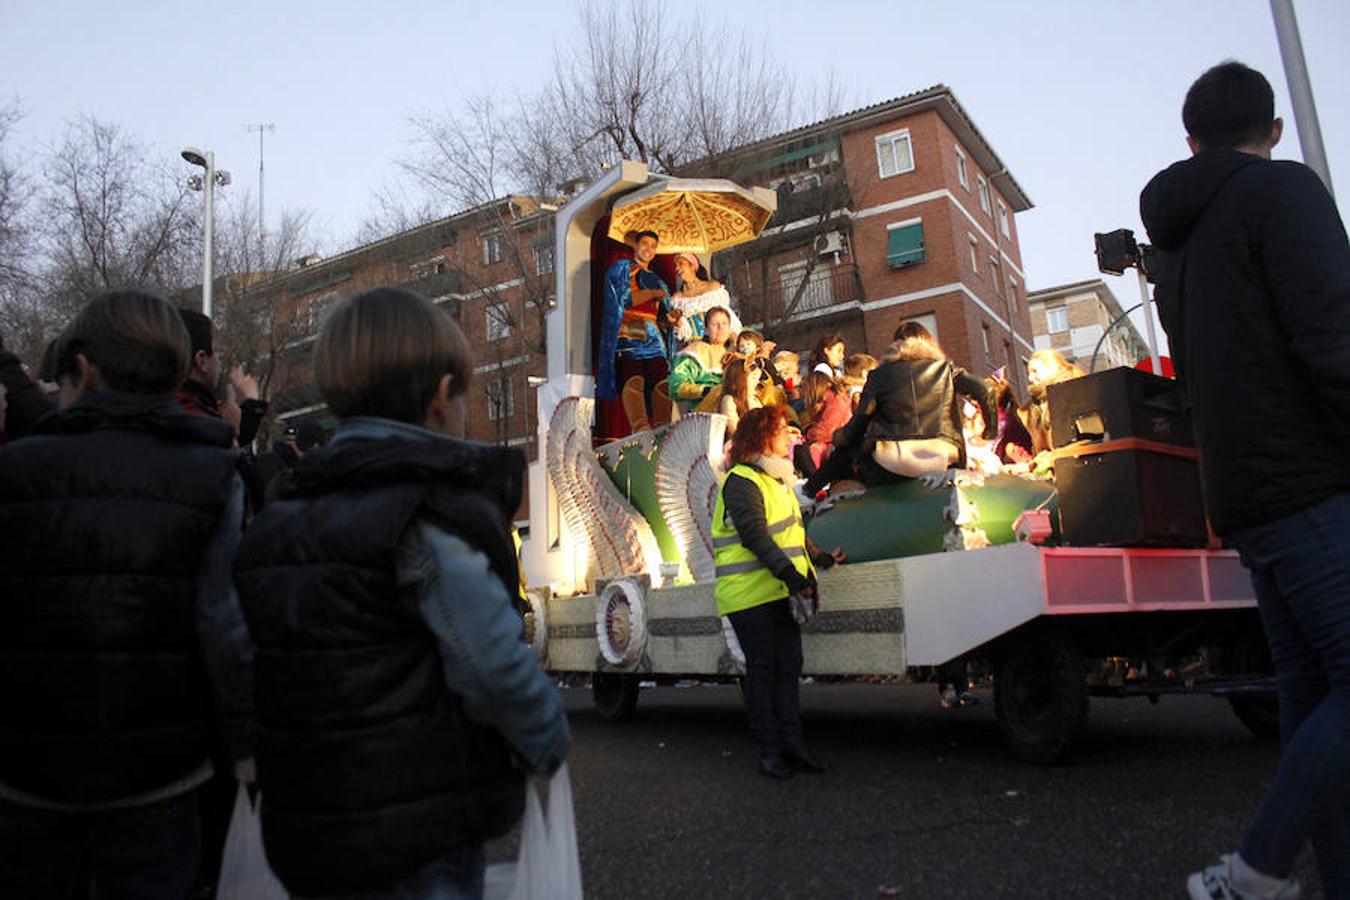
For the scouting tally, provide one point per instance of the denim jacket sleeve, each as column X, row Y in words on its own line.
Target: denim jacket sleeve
column 478, row 633
column 222, row 632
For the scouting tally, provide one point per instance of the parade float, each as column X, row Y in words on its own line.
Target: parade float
column 996, row 574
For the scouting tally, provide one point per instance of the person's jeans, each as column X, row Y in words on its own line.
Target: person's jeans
column 458, row 875
column 1300, row 568
column 772, row 643
column 140, row 852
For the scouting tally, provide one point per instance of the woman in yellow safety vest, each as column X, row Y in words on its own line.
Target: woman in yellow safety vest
column 763, row 556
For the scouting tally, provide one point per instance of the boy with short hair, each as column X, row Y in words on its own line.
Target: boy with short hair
column 398, row 708
column 119, row 515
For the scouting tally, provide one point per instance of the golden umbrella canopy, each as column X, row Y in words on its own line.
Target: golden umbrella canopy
column 694, row 215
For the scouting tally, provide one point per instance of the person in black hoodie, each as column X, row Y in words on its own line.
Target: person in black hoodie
column 120, row 633
column 1253, row 289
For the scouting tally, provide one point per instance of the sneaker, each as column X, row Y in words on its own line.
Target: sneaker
column 1230, row 879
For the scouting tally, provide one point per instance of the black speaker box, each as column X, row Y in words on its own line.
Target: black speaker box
column 1119, row 403
column 1124, row 494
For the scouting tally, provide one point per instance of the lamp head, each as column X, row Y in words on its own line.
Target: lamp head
column 195, row 182
column 194, row 156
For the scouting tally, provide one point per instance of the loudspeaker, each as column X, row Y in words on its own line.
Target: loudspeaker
column 1125, row 494
column 1119, row 403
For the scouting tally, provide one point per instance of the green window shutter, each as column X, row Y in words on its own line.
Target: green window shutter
column 905, row 247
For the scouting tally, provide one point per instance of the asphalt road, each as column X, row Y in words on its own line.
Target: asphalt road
column 921, row 802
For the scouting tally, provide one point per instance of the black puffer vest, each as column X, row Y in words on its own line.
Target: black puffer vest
column 106, row 511
column 368, row 763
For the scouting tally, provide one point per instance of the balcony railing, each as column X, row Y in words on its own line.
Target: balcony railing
column 436, row 284
column 826, row 286
column 811, row 203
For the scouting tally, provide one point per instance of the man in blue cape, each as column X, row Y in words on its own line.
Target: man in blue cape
column 631, row 361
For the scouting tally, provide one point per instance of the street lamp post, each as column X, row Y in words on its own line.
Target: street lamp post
column 206, row 183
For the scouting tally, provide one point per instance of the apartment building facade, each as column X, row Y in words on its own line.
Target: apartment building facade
column 1072, row 318
column 491, row 268
column 898, row 211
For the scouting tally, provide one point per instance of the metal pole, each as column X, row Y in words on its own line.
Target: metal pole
column 262, row 228
column 1300, row 90
column 210, row 214
column 1147, row 303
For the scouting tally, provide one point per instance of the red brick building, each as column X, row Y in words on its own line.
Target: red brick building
column 898, row 211
column 491, row 268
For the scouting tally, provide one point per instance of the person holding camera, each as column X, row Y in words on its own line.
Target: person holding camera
column 766, row 566
column 1253, row 289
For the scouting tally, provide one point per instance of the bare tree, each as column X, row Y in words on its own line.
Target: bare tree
column 253, row 328
column 635, row 83
column 397, row 206
column 22, row 320
column 112, row 216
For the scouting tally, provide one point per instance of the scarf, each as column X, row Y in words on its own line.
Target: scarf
column 779, row 467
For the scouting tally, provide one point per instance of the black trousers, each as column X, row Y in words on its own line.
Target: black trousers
column 845, row 463
column 772, row 642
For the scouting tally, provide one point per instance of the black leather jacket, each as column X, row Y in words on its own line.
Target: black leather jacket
column 908, row 399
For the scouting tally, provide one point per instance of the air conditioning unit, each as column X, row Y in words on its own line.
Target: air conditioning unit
column 830, row 243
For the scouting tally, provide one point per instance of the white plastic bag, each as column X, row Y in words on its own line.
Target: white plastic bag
column 548, row 867
column 244, row 873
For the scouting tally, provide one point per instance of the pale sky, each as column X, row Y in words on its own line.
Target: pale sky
column 1080, row 99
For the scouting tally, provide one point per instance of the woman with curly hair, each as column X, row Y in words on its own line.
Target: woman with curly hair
column 763, row 558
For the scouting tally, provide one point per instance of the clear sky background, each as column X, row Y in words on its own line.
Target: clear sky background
column 1080, row 98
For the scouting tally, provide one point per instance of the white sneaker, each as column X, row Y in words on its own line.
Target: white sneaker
column 1232, row 879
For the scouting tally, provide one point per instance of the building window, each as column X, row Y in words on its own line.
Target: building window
column 818, row 292
column 904, row 244
column 927, row 320
column 1057, row 319
column 961, row 169
column 543, row 258
column 984, row 333
column 1003, row 220
column 498, row 322
column 984, row 193
column 974, row 257
column 494, row 247
column 993, row 274
column 501, row 399
column 320, row 308
column 894, row 154
column 1012, row 292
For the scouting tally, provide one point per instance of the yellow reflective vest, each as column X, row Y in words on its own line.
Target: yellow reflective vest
column 742, row 580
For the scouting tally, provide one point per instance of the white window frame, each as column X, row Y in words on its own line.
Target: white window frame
column 974, row 253
column 994, row 273
column 1003, row 220
column 988, row 348
column 1053, row 313
column 961, row 169
column 494, row 247
column 501, row 398
column 885, row 143
column 1012, row 291
column 984, row 194
column 498, row 321
column 544, row 259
